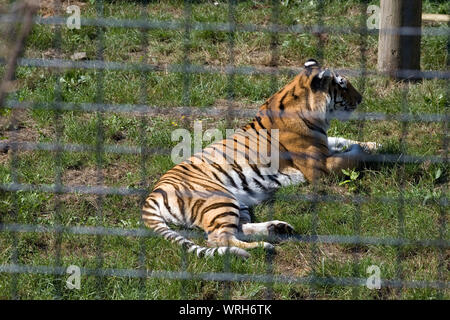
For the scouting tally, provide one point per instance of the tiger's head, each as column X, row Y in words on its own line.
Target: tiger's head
column 308, row 102
column 339, row 94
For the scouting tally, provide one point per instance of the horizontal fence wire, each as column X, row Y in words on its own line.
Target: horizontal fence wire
column 142, row 109
column 210, row 111
column 231, row 27
column 48, row 146
column 229, row 277
column 330, row 239
column 125, row 191
column 199, row 69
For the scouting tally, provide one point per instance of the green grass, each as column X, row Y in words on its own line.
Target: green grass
column 421, row 185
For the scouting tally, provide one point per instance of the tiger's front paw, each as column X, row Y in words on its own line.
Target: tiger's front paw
column 277, row 228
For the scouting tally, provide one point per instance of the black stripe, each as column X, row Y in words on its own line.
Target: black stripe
column 307, row 105
column 171, row 179
column 216, row 176
column 221, row 215
column 284, row 174
column 259, row 184
column 180, row 201
column 188, row 184
column 166, row 201
column 269, row 115
column 197, row 168
column 219, row 168
column 224, row 225
column 183, row 166
column 242, row 144
column 256, row 170
column 217, row 206
column 312, row 126
column 281, row 105
column 258, row 119
column 148, row 205
column 235, row 150
column 196, row 182
column 272, row 178
column 195, row 209
column 160, row 229
column 251, row 138
column 290, row 92
column 247, row 149
column 155, row 202
column 238, row 170
column 192, row 166
column 184, row 172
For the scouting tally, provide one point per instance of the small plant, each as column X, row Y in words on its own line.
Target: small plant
column 437, row 174
column 352, row 176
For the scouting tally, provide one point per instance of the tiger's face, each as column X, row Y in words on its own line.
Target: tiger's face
column 339, row 93
column 343, row 96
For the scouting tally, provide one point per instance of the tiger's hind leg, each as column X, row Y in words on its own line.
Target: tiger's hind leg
column 223, row 226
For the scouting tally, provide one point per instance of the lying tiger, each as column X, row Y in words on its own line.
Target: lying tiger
column 216, row 195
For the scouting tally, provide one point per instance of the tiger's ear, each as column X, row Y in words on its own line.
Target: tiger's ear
column 321, row 80
column 311, row 63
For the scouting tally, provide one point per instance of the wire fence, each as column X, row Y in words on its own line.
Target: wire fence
column 99, row 148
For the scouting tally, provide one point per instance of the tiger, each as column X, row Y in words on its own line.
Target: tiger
column 217, row 196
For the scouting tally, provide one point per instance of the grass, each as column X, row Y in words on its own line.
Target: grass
column 421, row 185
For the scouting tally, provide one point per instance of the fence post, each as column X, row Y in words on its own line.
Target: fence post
column 399, row 51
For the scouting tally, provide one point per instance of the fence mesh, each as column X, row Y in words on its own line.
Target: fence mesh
column 143, row 110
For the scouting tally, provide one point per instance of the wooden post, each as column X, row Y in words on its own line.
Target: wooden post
column 396, row 51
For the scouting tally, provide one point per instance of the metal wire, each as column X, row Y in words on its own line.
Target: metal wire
column 58, row 161
column 180, row 68
column 214, row 276
column 274, row 29
column 227, row 27
column 143, row 152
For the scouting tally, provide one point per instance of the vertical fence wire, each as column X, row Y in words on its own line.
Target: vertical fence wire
column 314, row 246
column 13, row 30
column 58, row 157
column 15, row 205
column 186, row 102
column 274, row 62
column 99, row 151
column 143, row 97
column 400, row 251
column 443, row 255
column 361, row 123
column 230, row 104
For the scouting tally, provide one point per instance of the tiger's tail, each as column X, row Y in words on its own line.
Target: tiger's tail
column 158, row 225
